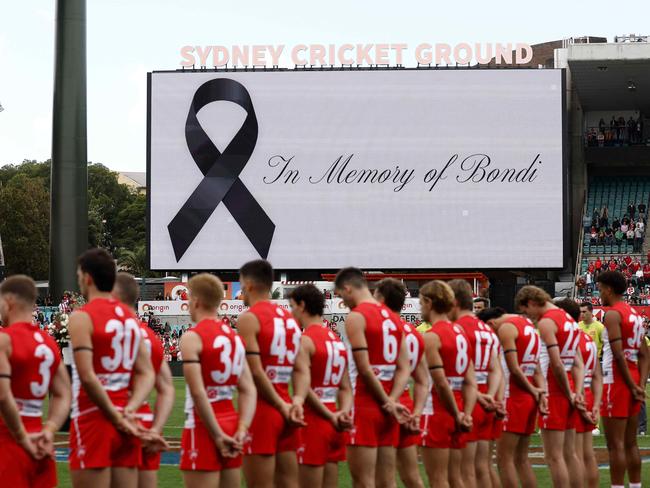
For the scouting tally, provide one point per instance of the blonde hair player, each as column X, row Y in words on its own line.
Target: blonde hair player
column 214, row 367
column 448, row 416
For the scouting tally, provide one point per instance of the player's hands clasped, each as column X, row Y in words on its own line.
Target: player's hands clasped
column 463, row 422
column 500, row 409
column 413, row 425
column 487, row 402
column 295, row 414
column 126, row 423
column 542, row 401
column 638, row 393
column 152, row 442
column 228, row 446
column 341, row 420
column 397, row 410
column 29, row 443
column 44, row 442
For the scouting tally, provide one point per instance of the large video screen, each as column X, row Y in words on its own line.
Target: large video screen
column 382, row 169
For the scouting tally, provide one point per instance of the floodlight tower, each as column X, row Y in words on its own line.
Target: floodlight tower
column 69, row 173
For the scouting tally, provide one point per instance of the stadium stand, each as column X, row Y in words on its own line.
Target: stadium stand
column 614, row 235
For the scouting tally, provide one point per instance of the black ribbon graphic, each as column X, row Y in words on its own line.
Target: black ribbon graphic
column 221, row 172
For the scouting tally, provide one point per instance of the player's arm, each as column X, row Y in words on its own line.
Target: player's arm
column 248, row 327
column 345, row 398
column 59, row 408
column 547, row 331
column 191, row 351
column 301, row 382
column 420, row 387
column 501, row 393
column 402, row 371
column 542, row 397
column 301, row 375
column 437, row 372
column 469, row 390
column 495, row 375
column 8, row 408
column 165, row 394
column 644, row 362
column 80, row 328
column 613, row 325
column 246, row 403
column 578, row 374
column 60, row 399
column 144, row 379
column 597, row 390
column 508, row 336
column 303, row 361
column 355, row 326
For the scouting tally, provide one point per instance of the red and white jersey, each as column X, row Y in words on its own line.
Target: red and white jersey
column 567, row 338
column 279, row 342
column 153, row 345
column 35, row 357
column 222, row 362
column 414, row 344
column 528, row 345
column 631, row 337
column 456, row 354
column 589, row 352
column 327, row 364
column 115, row 341
column 156, row 352
column 383, row 335
column 485, row 344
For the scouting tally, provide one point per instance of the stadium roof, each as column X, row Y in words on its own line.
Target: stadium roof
column 611, row 76
column 134, row 180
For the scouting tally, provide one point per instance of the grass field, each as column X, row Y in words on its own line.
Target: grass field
column 170, row 476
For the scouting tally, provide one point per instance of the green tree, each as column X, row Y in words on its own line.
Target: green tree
column 30, row 168
column 24, row 225
column 106, row 199
column 116, row 215
column 135, row 262
column 129, row 226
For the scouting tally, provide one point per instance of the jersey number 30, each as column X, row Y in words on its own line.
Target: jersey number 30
column 125, row 344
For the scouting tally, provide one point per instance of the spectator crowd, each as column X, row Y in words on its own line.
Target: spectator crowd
column 603, row 229
column 636, row 273
column 618, row 132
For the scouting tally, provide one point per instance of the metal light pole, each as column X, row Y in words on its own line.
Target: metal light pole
column 69, row 181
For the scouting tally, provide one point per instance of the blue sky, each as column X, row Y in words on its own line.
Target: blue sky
column 127, row 38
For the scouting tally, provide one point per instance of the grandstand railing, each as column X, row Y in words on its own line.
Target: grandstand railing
column 576, row 274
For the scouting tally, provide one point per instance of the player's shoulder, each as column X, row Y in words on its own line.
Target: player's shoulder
column 48, row 340
column 5, row 337
column 313, row 331
column 458, row 329
column 468, row 320
column 212, row 325
column 409, row 328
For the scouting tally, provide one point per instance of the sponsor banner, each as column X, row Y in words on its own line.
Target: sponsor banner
column 334, row 307
column 175, row 288
column 164, row 307
column 236, row 307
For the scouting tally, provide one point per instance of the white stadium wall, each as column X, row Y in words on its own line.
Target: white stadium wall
column 382, row 169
